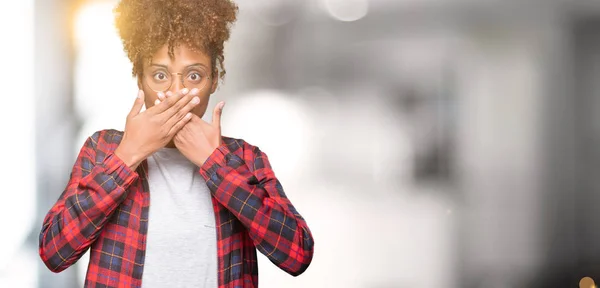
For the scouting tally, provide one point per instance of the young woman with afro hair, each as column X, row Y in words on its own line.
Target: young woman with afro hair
column 170, row 202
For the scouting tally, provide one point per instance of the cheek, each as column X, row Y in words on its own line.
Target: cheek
column 200, row 109
column 149, row 98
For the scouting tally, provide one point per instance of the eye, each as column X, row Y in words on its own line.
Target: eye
column 160, row 76
column 195, row 77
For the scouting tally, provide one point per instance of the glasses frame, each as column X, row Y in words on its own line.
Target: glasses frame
column 181, row 79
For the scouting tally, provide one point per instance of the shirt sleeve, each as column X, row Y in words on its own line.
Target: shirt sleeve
column 257, row 199
column 94, row 191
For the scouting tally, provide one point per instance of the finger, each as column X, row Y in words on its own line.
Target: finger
column 216, row 120
column 179, row 113
column 200, row 122
column 137, row 105
column 180, row 124
column 186, row 104
column 196, row 119
column 170, row 101
column 156, row 102
column 161, row 96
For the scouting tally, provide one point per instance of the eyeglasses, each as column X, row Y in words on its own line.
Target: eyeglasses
column 161, row 80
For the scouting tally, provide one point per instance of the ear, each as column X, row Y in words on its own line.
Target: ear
column 215, row 83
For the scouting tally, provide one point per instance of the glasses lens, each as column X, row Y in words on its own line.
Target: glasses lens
column 196, row 77
column 159, row 80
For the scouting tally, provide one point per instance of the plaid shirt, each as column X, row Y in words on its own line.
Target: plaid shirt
column 105, row 208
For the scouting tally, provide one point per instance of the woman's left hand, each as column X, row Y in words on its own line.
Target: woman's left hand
column 198, row 139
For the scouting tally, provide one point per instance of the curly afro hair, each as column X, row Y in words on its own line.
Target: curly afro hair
column 147, row 25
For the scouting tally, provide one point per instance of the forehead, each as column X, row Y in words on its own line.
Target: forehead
column 182, row 56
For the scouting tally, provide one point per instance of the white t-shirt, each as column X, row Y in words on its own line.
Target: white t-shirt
column 181, row 248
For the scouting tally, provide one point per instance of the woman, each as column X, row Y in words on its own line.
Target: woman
column 170, row 202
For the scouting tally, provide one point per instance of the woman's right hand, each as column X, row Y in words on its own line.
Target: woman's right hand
column 148, row 131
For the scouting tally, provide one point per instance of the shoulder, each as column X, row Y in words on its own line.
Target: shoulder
column 242, row 148
column 256, row 160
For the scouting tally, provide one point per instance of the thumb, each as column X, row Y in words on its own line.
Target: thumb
column 216, row 120
column 137, row 105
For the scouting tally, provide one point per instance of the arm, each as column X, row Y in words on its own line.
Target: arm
column 257, row 199
column 93, row 193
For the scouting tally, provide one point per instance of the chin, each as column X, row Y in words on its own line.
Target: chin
column 199, row 112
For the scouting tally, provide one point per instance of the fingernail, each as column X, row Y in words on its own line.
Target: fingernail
column 221, row 105
column 156, row 102
column 196, row 100
column 169, row 94
column 194, row 91
column 185, row 91
column 140, row 94
column 160, row 95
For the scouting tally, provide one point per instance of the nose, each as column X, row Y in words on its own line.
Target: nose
column 177, row 84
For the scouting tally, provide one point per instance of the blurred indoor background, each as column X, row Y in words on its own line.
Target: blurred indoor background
column 428, row 143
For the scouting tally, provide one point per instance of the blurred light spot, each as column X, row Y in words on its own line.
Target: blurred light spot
column 275, row 123
column 587, row 282
column 328, row 105
column 94, row 24
column 347, row 10
column 104, row 88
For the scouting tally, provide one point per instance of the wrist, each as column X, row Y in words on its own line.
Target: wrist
column 128, row 156
column 199, row 161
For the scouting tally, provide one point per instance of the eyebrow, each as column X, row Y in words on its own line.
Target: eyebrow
column 188, row 66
